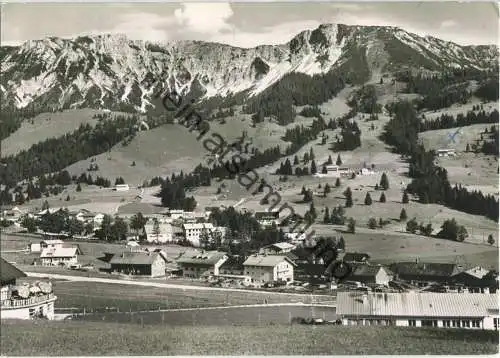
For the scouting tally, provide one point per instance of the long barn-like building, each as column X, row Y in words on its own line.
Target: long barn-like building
column 418, row 309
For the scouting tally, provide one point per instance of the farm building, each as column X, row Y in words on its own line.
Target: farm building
column 267, row 218
column 269, row 268
column 417, row 309
column 122, row 187
column 60, row 256
column 356, row 257
column 152, row 264
column 332, row 171
column 370, row 274
column 24, row 301
column 278, row 248
column 201, row 263
column 424, row 273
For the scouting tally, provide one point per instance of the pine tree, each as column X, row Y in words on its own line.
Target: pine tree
column 326, row 218
column 295, row 160
column 324, row 171
column 405, row 199
column 467, row 148
column 311, row 154
column 327, row 189
column 337, row 182
column 341, row 244
column 382, row 198
column 306, row 158
column 313, row 167
column 412, row 226
column 372, row 223
column 348, row 196
column 329, row 161
column 339, row 160
column 368, row 199
column 384, row 182
column 351, row 226
column 402, row 215
column 78, row 187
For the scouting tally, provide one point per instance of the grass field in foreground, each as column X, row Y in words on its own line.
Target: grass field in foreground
column 89, row 338
column 93, row 295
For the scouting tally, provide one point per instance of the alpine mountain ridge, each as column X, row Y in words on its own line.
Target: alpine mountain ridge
column 109, row 71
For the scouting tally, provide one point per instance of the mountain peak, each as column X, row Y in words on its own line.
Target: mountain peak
column 107, row 70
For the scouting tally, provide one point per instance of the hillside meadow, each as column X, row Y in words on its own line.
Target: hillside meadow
column 68, row 338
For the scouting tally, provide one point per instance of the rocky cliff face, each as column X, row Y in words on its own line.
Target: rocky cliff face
column 109, row 71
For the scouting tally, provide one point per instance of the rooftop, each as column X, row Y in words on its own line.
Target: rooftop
column 413, row 304
column 9, row 272
column 283, row 246
column 426, row 268
column 135, row 258
column 266, row 260
column 59, row 252
column 202, row 257
column 367, row 270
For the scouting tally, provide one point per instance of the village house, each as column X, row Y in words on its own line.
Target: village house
column 370, row 274
column 417, row 309
column 122, row 187
column 24, row 301
column 97, row 220
column 279, row 248
column 422, row 274
column 476, row 280
column 60, row 256
column 193, row 232
column 269, row 268
column 267, row 218
column 197, row 264
column 232, row 266
column 140, row 263
column 38, row 246
column 11, row 214
column 446, row 152
column 165, row 231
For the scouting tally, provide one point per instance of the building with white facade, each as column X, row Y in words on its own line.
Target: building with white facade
column 269, row 268
column 164, row 234
column 196, row 264
column 23, row 301
column 122, row 187
column 446, row 152
column 60, row 256
column 418, row 309
column 194, row 231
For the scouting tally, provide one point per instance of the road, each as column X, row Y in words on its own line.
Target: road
column 162, row 285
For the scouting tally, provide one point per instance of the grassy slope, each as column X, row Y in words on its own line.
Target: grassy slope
column 47, row 125
column 88, row 338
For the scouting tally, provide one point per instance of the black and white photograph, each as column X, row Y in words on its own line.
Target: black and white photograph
column 249, row 178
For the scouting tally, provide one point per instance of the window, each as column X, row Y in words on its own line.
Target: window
column 476, row 324
column 447, row 323
column 455, row 323
column 495, row 323
column 32, row 312
column 466, row 323
column 412, row 323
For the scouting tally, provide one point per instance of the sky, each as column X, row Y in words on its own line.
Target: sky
column 244, row 24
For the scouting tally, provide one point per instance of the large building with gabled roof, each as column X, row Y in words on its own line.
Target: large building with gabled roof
column 419, row 309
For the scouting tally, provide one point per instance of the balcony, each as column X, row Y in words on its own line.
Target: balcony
column 20, row 302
